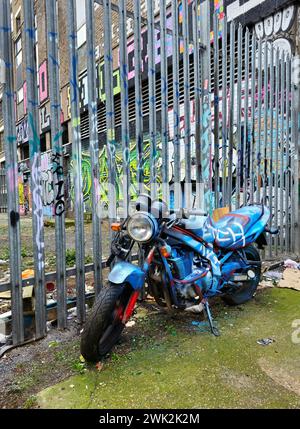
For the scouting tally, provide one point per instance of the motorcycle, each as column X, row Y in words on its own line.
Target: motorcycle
column 188, row 258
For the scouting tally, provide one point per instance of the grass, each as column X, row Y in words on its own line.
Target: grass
column 175, row 365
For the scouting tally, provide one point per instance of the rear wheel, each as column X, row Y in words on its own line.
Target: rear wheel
column 104, row 324
column 246, row 292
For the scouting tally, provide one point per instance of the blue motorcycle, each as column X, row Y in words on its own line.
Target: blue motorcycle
column 188, row 258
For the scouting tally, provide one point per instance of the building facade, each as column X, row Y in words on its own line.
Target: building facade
column 277, row 21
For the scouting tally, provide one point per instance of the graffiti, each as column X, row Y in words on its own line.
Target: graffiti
column 281, row 21
column 22, row 132
column 44, row 119
column 59, row 206
column 38, row 210
column 47, row 185
column 247, row 9
column 103, row 173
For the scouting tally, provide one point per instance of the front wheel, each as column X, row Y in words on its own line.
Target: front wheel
column 105, row 323
column 246, row 292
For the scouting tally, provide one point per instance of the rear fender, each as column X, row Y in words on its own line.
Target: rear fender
column 124, row 272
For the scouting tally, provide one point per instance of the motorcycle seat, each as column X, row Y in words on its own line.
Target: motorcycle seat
column 235, row 225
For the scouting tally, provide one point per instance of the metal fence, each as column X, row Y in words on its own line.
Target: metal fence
column 241, row 146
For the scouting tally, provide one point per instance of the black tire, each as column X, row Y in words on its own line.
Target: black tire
column 101, row 331
column 246, row 292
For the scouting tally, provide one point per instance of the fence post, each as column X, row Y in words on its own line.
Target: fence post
column 231, row 114
column 206, row 104
column 164, row 103
column 187, row 105
column 197, row 90
column 124, row 106
column 152, row 98
column 35, row 160
column 76, row 156
column 12, row 174
column 216, row 109
column 57, row 162
column 176, row 108
column 110, row 113
column 296, row 154
column 138, row 95
column 94, row 145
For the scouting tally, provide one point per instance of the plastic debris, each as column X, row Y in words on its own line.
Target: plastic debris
column 289, row 263
column 265, row 341
column 130, row 324
column 273, row 275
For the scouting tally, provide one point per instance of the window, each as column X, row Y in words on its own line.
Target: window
column 1, row 142
column 80, row 22
column 18, row 23
column 18, row 51
column 43, row 143
column 20, row 95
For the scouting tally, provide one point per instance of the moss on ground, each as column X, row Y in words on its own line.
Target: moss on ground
column 187, row 367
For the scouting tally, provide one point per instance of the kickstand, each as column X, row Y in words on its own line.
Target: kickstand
column 213, row 328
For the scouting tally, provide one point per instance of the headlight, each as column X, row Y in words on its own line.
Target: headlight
column 142, row 227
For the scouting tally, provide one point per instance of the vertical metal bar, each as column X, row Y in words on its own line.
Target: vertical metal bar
column 138, row 94
column 206, row 104
column 266, row 125
column 252, row 130
column 216, row 109
column 287, row 155
column 224, row 111
column 57, row 162
column 277, row 101
column 124, row 105
column 152, row 98
column 35, row 160
column 246, row 151
column 110, row 112
column 282, row 106
column 94, row 145
column 258, row 145
column 76, row 155
column 176, row 111
column 239, row 118
column 197, row 89
column 11, row 166
column 231, row 114
column 295, row 123
column 164, row 101
column 187, row 109
column 271, row 144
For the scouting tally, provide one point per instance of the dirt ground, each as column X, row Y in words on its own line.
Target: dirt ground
column 168, row 360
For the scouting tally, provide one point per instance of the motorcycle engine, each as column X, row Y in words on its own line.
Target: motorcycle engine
column 189, row 271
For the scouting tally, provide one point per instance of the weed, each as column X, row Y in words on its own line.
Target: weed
column 30, row 402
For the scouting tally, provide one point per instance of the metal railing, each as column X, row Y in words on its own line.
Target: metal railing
column 231, row 145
